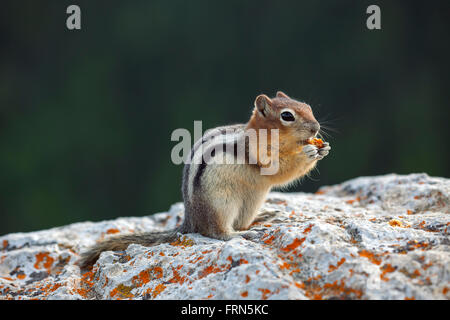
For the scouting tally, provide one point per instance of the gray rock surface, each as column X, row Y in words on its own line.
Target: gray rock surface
column 384, row 237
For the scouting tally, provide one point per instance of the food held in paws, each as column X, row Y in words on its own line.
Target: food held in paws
column 317, row 142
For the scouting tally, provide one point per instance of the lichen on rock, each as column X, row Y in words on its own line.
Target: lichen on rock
column 384, row 237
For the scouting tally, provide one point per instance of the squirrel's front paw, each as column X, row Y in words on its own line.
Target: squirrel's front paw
column 314, row 153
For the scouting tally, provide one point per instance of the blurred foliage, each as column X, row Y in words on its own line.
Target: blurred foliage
column 86, row 116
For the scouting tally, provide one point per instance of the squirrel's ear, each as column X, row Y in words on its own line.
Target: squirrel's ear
column 281, row 94
column 263, row 104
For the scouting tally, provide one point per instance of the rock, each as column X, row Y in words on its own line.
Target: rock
column 383, row 237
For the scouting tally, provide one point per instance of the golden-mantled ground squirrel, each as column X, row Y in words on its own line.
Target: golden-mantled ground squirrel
column 221, row 200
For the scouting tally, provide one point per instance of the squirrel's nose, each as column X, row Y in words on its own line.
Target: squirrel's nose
column 314, row 127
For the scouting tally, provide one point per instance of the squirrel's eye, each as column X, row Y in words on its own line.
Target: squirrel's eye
column 287, row 116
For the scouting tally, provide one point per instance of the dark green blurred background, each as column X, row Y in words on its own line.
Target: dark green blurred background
column 86, row 116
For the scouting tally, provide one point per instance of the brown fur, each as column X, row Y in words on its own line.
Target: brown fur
column 292, row 163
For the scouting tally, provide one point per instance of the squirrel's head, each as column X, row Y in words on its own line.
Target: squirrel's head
column 294, row 119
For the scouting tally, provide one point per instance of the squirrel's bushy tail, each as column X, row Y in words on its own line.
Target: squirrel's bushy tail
column 120, row 243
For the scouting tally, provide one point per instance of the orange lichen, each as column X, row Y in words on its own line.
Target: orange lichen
column 445, row 290
column 269, row 240
column 121, row 291
column 371, row 256
column 55, row 286
column 265, row 293
column 247, row 279
column 297, row 242
column 410, row 298
column 414, row 244
column 112, row 231
column 183, row 242
column 387, row 268
column 244, row 294
column 318, row 277
column 144, row 276
column 106, row 281
column 332, row 267
column 176, row 278
column 113, row 292
column 5, row 244
column 43, row 260
column 86, row 282
column 21, row 276
column 341, row 288
column 396, row 223
column 158, row 272
column 50, row 288
column 197, row 259
column 308, row 229
column 353, row 200
column 299, row 285
column 335, row 289
column 158, row 289
column 208, row 270
column 295, row 270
